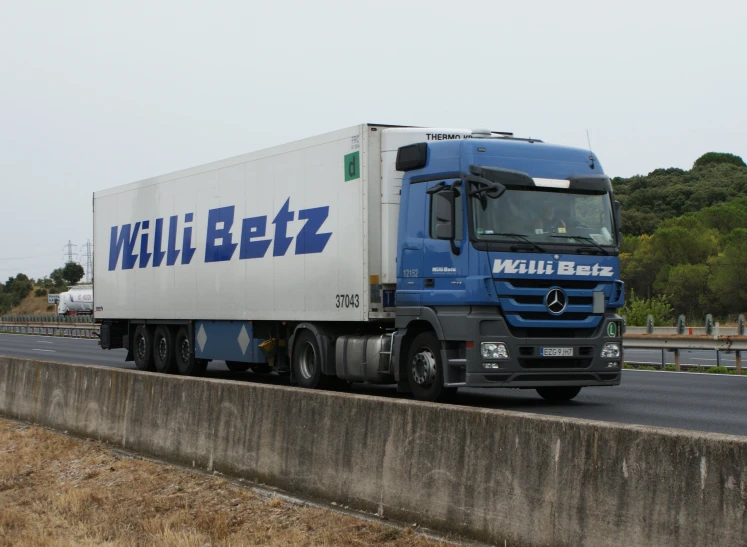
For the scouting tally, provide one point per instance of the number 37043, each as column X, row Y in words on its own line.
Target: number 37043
column 348, row 301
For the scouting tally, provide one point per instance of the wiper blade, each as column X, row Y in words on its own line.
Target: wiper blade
column 586, row 238
column 522, row 238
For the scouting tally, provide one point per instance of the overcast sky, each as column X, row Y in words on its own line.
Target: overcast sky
column 94, row 95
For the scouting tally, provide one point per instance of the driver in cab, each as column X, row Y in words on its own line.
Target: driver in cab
column 550, row 222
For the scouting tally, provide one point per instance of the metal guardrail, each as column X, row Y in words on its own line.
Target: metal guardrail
column 676, row 342
column 662, row 339
column 67, row 330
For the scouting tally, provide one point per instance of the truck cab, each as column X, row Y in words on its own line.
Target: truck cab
column 507, row 268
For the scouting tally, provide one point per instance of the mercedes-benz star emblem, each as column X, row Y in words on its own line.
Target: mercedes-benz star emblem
column 556, row 301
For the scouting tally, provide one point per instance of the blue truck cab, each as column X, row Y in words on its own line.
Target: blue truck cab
column 507, row 269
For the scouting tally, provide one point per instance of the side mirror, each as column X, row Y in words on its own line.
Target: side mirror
column 443, row 209
column 618, row 222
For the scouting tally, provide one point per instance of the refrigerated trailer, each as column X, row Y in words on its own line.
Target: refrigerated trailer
column 429, row 258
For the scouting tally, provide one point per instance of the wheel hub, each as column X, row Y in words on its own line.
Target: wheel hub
column 307, row 361
column 141, row 347
column 424, row 367
column 162, row 348
column 184, row 349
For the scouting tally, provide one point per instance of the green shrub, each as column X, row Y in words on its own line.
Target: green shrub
column 717, row 370
column 40, row 292
column 637, row 310
column 669, row 368
column 646, row 367
column 696, row 369
column 626, row 365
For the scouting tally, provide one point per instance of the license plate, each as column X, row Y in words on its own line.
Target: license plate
column 556, row 352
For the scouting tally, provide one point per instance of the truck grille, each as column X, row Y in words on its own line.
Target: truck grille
column 523, row 304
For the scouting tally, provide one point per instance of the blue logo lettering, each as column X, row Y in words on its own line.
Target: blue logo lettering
column 219, row 241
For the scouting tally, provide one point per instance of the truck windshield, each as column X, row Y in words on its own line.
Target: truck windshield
column 543, row 215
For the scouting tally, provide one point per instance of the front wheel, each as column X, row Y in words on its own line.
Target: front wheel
column 425, row 372
column 554, row 394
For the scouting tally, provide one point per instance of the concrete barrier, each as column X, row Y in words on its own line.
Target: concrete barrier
column 489, row 474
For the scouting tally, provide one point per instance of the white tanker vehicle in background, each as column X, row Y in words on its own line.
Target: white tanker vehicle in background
column 78, row 300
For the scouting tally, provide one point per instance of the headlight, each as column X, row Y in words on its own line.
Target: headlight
column 611, row 350
column 494, row 350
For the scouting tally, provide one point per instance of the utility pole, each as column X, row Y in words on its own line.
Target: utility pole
column 69, row 252
column 89, row 261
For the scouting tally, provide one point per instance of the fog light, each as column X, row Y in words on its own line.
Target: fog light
column 611, row 350
column 613, row 365
column 494, row 350
column 491, row 365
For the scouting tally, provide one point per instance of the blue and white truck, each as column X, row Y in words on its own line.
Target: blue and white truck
column 429, row 258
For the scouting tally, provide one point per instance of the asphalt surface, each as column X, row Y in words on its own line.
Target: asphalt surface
column 703, row 402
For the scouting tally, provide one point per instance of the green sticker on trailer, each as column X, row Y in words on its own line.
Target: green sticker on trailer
column 353, row 165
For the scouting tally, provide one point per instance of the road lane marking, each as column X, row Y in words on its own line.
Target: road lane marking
column 47, row 350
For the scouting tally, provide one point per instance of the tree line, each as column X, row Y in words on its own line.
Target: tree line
column 15, row 289
column 684, row 248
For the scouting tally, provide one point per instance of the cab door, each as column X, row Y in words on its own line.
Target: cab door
column 445, row 262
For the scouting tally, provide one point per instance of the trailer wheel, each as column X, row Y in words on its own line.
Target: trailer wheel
column 163, row 350
column 564, row 393
column 237, row 366
column 425, row 372
column 307, row 360
column 142, row 348
column 186, row 364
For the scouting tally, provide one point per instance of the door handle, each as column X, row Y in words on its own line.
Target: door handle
column 429, row 283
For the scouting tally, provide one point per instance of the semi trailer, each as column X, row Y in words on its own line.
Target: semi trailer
column 429, row 258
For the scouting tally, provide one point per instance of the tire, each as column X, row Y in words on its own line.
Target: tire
column 307, row 361
column 425, row 373
column 142, row 349
column 554, row 394
column 184, row 356
column 164, row 350
column 237, row 366
column 261, row 369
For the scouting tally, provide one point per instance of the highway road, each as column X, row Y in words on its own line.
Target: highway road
column 702, row 402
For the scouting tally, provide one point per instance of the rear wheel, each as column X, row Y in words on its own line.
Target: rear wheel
column 425, row 372
column 163, row 350
column 142, row 350
column 307, row 360
column 237, row 366
column 564, row 393
column 186, row 364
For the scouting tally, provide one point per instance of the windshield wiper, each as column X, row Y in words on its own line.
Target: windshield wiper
column 586, row 238
column 522, row 238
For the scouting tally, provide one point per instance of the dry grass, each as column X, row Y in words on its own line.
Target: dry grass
column 33, row 305
column 55, row 490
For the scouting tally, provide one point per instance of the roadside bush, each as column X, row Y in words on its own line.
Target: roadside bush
column 646, row 367
column 40, row 292
column 717, row 370
column 669, row 368
column 637, row 310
